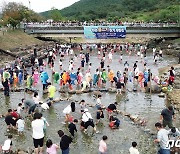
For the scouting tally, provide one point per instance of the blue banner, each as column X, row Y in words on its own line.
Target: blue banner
column 104, row 32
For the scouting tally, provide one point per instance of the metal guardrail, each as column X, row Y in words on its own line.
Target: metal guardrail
column 81, row 24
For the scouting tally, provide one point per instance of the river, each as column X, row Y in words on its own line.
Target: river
column 119, row 141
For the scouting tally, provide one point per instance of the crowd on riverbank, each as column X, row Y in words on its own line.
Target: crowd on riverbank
column 81, row 75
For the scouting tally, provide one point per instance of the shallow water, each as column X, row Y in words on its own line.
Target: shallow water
column 119, row 141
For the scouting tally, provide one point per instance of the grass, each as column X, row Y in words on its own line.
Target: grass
column 15, row 39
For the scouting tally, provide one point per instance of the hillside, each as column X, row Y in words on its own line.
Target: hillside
column 147, row 10
column 16, row 38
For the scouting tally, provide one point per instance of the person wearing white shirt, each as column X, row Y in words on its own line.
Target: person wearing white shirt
column 71, row 66
column 7, row 145
column 162, row 139
column 19, row 108
column 60, row 64
column 154, row 51
column 36, row 98
column 87, row 120
column 98, row 102
column 133, row 149
column 103, row 145
column 20, row 125
column 110, row 56
column 50, row 53
column 160, row 53
column 38, row 133
column 70, row 108
column 71, row 51
column 138, row 53
column 45, row 106
column 137, row 71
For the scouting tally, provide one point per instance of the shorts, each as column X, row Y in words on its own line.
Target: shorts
column 89, row 123
column 10, row 122
column 32, row 108
column 122, row 84
column 51, row 98
column 117, row 123
column 167, row 123
column 145, row 84
column 98, row 116
column 136, row 77
column 82, row 124
column 103, row 81
column 38, row 142
column 98, row 106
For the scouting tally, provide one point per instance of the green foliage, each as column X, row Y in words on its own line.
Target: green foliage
column 169, row 14
column 55, row 14
column 13, row 13
column 113, row 10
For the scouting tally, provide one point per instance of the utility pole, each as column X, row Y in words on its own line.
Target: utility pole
column 29, row 4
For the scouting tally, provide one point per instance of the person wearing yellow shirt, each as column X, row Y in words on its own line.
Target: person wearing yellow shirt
column 51, row 91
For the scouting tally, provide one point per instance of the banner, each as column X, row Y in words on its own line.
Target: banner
column 104, row 32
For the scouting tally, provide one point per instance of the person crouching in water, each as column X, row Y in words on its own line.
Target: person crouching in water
column 87, row 121
column 70, row 108
column 7, row 147
column 72, row 127
column 111, row 108
column 114, row 122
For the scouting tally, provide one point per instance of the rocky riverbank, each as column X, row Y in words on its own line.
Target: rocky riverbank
column 173, row 97
column 17, row 43
column 169, row 46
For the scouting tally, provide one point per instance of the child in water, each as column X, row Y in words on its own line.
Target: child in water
column 114, row 122
column 72, row 127
column 51, row 148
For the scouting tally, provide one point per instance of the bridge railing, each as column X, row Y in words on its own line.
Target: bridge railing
column 60, row 25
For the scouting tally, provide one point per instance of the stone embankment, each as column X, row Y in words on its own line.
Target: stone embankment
column 173, row 96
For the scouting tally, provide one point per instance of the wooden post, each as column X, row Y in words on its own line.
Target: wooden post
column 24, row 83
column 70, row 39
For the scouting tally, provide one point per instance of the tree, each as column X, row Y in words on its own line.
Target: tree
column 55, row 14
column 13, row 13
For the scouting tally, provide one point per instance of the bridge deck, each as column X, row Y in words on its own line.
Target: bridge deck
column 79, row 32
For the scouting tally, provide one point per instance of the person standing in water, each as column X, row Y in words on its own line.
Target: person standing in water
column 103, row 145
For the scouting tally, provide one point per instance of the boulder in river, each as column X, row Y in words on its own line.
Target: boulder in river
column 112, row 90
column 155, row 89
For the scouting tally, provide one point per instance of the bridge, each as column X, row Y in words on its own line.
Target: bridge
column 75, row 32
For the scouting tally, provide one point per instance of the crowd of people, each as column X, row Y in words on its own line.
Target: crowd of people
column 78, row 76
column 51, row 23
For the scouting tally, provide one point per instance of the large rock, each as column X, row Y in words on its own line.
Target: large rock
column 112, row 90
column 155, row 89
